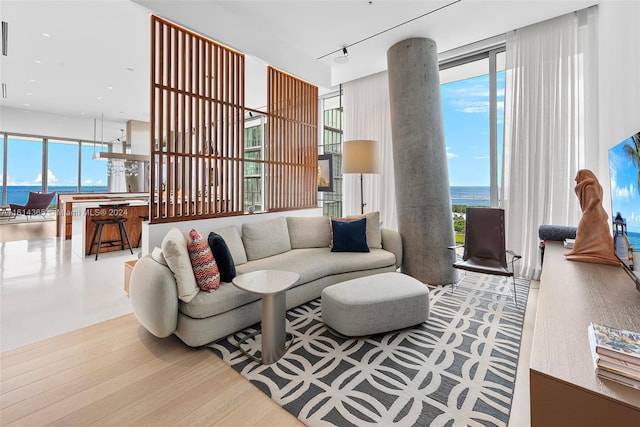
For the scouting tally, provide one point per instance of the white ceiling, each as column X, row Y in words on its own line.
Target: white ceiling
column 95, row 59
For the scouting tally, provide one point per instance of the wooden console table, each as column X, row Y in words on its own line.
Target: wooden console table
column 565, row 391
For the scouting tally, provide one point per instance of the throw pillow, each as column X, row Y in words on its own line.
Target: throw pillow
column 232, row 238
column 374, row 234
column 203, row 263
column 174, row 249
column 222, row 256
column 158, row 256
column 349, row 236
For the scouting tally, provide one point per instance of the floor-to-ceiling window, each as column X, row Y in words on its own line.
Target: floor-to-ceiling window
column 472, row 90
column 62, row 165
column 44, row 164
column 330, row 143
column 24, row 168
column 472, row 106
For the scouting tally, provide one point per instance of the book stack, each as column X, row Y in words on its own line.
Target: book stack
column 616, row 354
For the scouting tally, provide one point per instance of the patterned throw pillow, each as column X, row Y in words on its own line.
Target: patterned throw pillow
column 204, row 265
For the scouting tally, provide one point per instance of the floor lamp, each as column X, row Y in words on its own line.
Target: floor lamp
column 360, row 156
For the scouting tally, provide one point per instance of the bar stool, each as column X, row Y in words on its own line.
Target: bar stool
column 116, row 219
column 142, row 218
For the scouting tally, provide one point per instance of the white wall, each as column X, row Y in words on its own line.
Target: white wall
column 618, row 80
column 54, row 125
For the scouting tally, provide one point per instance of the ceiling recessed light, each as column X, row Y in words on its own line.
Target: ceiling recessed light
column 82, row 114
column 26, row 105
column 32, row 80
column 110, row 87
column 28, row 93
column 37, row 61
column 46, row 34
column 99, row 98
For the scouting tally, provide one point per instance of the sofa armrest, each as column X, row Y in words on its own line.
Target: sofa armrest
column 154, row 296
column 392, row 242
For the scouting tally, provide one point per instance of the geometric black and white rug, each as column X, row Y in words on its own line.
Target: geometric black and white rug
column 458, row 368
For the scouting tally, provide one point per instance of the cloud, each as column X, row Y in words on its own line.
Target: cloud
column 481, row 158
column 625, row 193
column 451, row 155
column 51, row 178
column 87, row 181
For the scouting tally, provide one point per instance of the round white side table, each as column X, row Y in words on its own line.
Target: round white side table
column 271, row 285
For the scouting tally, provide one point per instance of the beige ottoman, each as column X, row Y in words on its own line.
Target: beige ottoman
column 374, row 304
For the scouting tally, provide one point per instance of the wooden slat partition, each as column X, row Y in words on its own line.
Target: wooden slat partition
column 292, row 142
column 197, row 122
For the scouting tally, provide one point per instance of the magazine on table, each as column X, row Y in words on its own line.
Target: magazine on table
column 613, row 368
column 616, row 343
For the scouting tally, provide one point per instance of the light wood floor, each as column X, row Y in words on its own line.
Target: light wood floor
column 116, row 373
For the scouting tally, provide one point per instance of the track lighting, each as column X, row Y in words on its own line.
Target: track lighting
column 5, row 37
column 344, row 58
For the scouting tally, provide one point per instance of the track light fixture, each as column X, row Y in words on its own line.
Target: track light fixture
column 344, row 58
column 5, row 37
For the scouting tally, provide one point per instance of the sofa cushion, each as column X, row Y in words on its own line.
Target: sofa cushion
column 158, row 256
column 265, row 238
column 311, row 263
column 309, row 232
column 232, row 238
column 350, row 236
column 315, row 263
column 174, row 248
column 374, row 229
column 203, row 263
column 223, row 257
column 226, row 298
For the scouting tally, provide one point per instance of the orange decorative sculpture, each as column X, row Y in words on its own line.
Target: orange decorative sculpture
column 594, row 242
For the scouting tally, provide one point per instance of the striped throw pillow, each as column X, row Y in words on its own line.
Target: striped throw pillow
column 203, row 263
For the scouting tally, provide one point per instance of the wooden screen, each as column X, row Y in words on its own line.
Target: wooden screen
column 292, row 142
column 197, row 126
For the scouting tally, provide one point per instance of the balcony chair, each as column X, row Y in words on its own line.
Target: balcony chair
column 484, row 248
column 37, row 204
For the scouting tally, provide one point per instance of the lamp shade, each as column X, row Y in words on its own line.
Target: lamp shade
column 360, row 156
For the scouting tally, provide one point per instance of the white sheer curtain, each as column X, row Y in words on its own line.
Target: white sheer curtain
column 367, row 116
column 551, row 127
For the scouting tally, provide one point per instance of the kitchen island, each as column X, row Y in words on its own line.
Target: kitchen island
column 77, row 215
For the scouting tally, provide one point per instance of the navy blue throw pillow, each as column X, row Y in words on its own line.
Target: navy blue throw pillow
column 350, row 236
column 223, row 257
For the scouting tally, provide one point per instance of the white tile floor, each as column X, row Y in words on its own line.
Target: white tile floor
column 45, row 290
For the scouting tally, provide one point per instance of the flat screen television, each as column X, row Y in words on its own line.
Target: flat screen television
column 624, row 177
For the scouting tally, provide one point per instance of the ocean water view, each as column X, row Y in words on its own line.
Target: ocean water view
column 634, row 239
column 20, row 193
column 471, row 196
column 468, row 196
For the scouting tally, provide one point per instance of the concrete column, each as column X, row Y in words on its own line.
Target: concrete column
column 420, row 161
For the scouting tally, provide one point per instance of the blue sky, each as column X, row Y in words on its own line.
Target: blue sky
column 465, row 109
column 25, row 164
column 625, row 197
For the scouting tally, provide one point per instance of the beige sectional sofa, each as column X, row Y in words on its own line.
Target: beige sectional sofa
column 298, row 244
